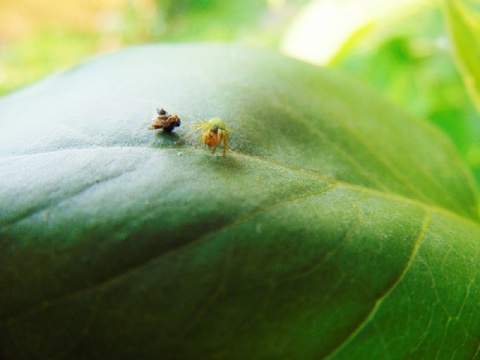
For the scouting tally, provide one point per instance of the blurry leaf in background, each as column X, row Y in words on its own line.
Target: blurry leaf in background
column 37, row 38
column 405, row 55
column 251, row 21
column 323, row 26
column 463, row 19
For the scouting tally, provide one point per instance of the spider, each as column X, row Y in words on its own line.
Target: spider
column 213, row 132
column 165, row 121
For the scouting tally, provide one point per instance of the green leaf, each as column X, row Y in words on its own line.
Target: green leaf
column 463, row 19
column 336, row 225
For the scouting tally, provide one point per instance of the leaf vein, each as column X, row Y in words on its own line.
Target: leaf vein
column 52, row 203
column 376, row 306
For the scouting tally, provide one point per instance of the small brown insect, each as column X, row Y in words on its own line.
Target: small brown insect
column 165, row 121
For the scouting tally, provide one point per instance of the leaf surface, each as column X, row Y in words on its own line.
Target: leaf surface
column 336, row 226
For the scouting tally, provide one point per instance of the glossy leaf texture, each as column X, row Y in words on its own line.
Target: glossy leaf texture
column 337, row 226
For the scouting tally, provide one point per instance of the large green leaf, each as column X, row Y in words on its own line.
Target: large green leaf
column 336, row 226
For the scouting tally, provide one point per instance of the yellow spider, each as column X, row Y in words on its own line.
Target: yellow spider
column 213, row 132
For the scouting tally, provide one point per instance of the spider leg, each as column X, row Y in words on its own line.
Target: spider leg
column 198, row 140
column 220, row 137
column 226, row 140
column 195, row 127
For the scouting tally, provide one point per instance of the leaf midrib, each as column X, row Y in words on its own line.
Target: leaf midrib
column 285, row 107
column 103, row 285
column 358, row 188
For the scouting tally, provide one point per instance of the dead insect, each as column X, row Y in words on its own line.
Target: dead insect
column 213, row 132
column 165, row 121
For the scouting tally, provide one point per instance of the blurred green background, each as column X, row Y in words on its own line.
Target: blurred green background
column 402, row 48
